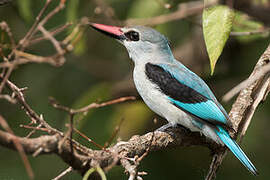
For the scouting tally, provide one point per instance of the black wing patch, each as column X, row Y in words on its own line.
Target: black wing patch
column 170, row 86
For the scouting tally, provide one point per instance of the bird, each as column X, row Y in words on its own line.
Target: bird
column 173, row 91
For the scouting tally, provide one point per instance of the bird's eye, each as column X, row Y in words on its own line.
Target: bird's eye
column 132, row 35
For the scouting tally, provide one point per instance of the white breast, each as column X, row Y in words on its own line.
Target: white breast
column 159, row 102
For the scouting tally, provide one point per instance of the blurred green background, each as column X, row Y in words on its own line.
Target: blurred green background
column 99, row 69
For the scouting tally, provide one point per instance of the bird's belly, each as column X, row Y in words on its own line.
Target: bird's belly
column 160, row 104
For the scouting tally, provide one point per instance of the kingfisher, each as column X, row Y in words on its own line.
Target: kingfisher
column 173, row 91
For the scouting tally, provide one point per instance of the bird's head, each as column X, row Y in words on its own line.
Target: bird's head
column 142, row 43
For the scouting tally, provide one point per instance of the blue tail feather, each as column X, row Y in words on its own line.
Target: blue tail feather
column 236, row 150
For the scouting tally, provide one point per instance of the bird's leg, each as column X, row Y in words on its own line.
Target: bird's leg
column 166, row 126
column 170, row 125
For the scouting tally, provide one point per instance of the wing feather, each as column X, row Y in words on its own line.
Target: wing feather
column 187, row 91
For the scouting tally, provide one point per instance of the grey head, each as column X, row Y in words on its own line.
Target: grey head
column 143, row 44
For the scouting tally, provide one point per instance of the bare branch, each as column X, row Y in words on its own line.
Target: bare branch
column 90, row 106
column 52, row 39
column 29, row 111
column 88, row 139
column 52, row 32
column 215, row 164
column 4, row 26
column 136, row 146
column 248, row 33
column 32, row 30
column 244, row 107
column 254, row 77
column 96, row 105
column 68, row 170
column 24, row 58
column 18, row 147
column 184, row 10
column 114, row 134
column 4, row 80
column 8, row 98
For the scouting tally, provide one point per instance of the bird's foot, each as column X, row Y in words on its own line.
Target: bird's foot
column 183, row 128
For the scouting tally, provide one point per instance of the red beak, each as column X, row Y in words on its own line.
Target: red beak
column 112, row 31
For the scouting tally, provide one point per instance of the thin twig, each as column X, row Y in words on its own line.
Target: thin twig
column 24, row 58
column 88, row 139
column 248, row 33
column 35, row 128
column 215, row 164
column 258, row 74
column 62, row 174
column 58, row 8
column 19, row 148
column 70, row 132
column 57, row 105
column 184, row 10
column 8, row 98
column 52, row 39
column 32, row 30
column 4, row 26
column 10, row 69
column 114, row 134
column 52, row 32
column 29, row 111
column 96, row 105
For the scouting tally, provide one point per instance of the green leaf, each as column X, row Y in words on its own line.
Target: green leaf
column 25, row 10
column 217, row 25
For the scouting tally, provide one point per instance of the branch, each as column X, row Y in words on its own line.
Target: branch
column 90, row 106
column 48, row 144
column 184, row 10
column 19, row 148
column 83, row 158
column 244, row 107
column 32, row 30
column 255, row 77
column 264, row 30
column 68, row 170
